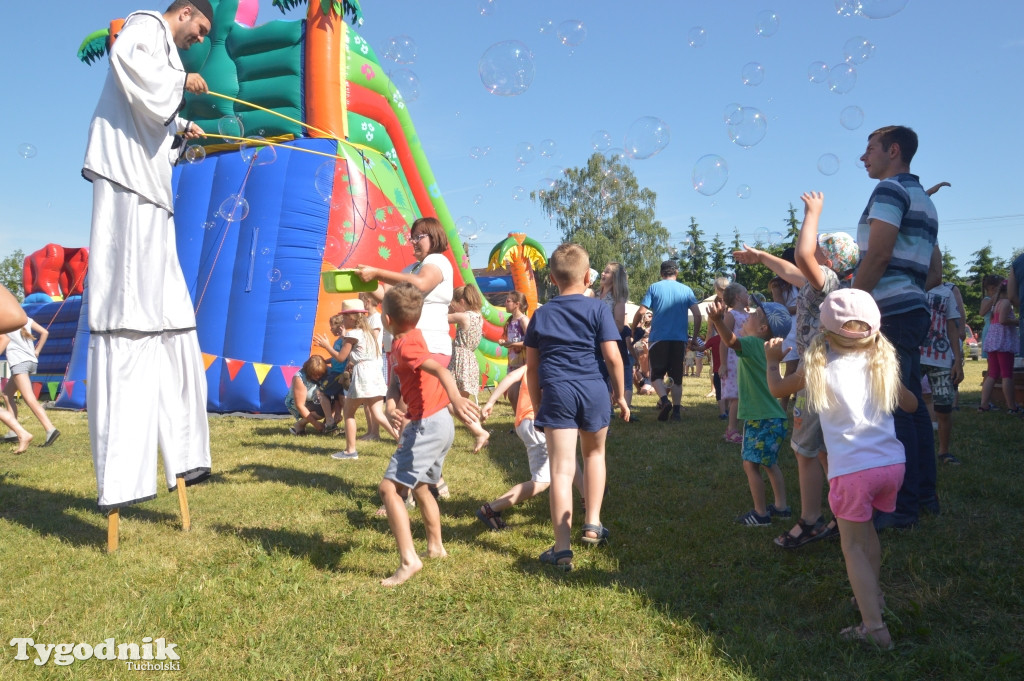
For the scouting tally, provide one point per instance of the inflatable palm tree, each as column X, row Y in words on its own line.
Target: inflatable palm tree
column 522, row 255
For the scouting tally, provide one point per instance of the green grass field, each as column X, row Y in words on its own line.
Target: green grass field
column 278, row 578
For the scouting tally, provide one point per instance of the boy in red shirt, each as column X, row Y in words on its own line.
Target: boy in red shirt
column 426, row 388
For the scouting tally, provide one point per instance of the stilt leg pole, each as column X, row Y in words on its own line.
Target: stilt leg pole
column 186, row 520
column 113, row 522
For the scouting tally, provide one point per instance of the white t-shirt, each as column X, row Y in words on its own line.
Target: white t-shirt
column 434, row 318
column 363, row 350
column 937, row 349
column 857, row 436
column 21, row 349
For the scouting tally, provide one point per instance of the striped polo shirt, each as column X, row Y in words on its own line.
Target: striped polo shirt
column 901, row 201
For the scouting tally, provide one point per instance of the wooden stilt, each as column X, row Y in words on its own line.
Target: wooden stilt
column 113, row 522
column 186, row 520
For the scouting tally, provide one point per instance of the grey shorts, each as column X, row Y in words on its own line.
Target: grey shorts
column 536, row 451
column 24, row 368
column 807, row 437
column 943, row 390
column 421, row 451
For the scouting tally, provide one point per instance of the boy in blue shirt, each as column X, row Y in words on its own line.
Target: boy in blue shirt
column 565, row 342
column 764, row 422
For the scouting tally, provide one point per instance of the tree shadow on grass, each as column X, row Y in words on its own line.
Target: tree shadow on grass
column 49, row 513
column 321, row 554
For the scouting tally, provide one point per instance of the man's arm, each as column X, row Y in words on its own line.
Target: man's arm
column 881, row 242
column 698, row 320
column 934, row 270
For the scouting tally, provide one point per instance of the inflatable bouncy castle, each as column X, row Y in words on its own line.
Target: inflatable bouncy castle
column 311, row 163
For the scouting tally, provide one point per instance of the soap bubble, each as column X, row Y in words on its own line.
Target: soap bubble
column 323, row 180
column 195, row 153
column 752, row 74
column 405, row 83
column 615, row 155
column 26, row 150
column 465, row 224
column 554, row 172
column 842, row 78
column 828, row 164
column 547, row 27
column 847, row 8
column 231, row 126
column 506, row 69
column 743, row 191
column 858, row 49
column 547, row 148
column 545, row 185
column 253, row 151
column 710, row 173
column 697, row 36
column 234, row 208
column 477, row 199
column 612, row 188
column 489, row 183
column 762, row 235
column 747, row 127
column 265, row 251
column 572, row 32
column 601, row 140
column 518, row 193
column 487, row 7
column 851, row 117
column 475, row 153
column 646, row 137
column 817, row 72
column 879, row 9
column 730, row 110
column 766, row 23
column 401, row 50
column 285, row 285
column 524, row 153
column 274, row 275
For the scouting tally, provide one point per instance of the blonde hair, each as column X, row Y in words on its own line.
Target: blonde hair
column 883, row 369
column 732, row 293
column 569, row 264
column 620, row 282
column 363, row 324
column 470, row 296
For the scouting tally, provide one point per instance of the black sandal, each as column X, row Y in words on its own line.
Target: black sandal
column 552, row 557
column 491, row 518
column 808, row 533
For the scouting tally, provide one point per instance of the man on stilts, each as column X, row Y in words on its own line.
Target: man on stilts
column 146, row 379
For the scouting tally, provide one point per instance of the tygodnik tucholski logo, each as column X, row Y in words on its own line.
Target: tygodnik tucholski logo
column 151, row 654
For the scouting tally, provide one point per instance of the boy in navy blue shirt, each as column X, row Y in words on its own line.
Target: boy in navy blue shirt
column 565, row 342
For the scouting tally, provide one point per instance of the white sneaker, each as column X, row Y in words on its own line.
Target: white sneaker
column 343, row 456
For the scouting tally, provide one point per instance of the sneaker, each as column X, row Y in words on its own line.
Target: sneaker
column 664, row 408
column 330, row 426
column 723, row 417
column 51, row 437
column 950, row 459
column 752, row 519
column 779, row 512
column 675, row 414
column 11, row 436
column 345, row 456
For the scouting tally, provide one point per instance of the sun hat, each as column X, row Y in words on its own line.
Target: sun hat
column 779, row 320
column 841, row 249
column 352, row 306
column 848, row 305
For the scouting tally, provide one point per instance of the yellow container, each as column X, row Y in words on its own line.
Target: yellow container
column 346, row 281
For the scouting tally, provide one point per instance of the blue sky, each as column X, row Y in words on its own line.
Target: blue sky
column 951, row 70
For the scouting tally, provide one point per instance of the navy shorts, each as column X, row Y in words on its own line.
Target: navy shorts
column 575, row 404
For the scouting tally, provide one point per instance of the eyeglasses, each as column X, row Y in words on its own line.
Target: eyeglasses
column 420, row 236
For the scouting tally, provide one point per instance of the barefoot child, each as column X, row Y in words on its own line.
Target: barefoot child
column 570, row 396
column 853, row 383
column 764, row 427
column 536, row 453
column 426, row 388
column 464, row 312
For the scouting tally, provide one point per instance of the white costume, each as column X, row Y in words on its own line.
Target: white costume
column 146, row 380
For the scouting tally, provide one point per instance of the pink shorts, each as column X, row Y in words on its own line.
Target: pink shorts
column 1000, row 365
column 852, row 496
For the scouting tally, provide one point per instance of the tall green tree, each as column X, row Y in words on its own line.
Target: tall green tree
column 12, row 269
column 693, row 260
column 950, row 272
column 719, row 259
column 982, row 265
column 601, row 207
column 792, row 228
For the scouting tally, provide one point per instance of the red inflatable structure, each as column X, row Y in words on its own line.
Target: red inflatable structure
column 56, row 271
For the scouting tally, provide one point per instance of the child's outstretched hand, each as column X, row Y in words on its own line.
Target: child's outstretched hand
column 322, row 340
column 748, row 256
column 773, row 351
column 813, row 202
column 716, row 312
column 466, row 410
column 485, row 411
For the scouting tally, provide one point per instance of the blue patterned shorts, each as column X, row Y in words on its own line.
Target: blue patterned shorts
column 762, row 440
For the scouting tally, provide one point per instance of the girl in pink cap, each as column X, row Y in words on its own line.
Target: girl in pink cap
column 852, row 379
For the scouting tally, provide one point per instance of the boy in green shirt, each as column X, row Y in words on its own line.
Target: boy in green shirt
column 764, row 422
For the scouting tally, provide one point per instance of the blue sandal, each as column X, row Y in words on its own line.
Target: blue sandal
column 552, row 557
column 600, row 530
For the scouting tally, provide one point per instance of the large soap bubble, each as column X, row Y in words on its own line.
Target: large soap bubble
column 743, row 191
column 646, row 137
column 234, row 208
column 828, row 164
column 601, row 140
column 572, row 32
column 405, row 84
column 524, row 153
column 612, row 188
column 544, row 186
column 752, row 74
column 697, row 36
column 817, row 72
column 730, row 110
column 747, row 127
column 858, row 49
column 465, row 224
column 710, row 173
column 847, row 8
column 851, row 117
column 766, row 23
column 323, row 180
column 255, row 151
column 518, row 193
column 486, row 7
column 879, row 9
column 26, row 150
column 506, row 68
column 230, row 127
column 547, row 148
column 195, row 154
column 401, row 49
column 842, row 78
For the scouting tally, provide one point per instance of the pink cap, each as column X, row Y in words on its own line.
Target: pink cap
column 848, row 305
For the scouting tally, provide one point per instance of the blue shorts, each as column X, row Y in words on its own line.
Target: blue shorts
column 421, row 450
column 762, row 440
column 582, row 405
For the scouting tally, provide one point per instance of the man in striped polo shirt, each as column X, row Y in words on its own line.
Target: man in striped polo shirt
column 897, row 236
